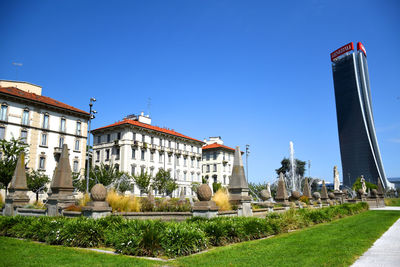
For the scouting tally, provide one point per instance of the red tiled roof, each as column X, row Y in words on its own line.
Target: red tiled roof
column 38, row 98
column 215, row 145
column 147, row 126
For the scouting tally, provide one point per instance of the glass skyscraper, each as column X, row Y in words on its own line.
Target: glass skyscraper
column 358, row 143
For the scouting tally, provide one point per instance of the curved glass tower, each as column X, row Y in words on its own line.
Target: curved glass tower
column 358, row 143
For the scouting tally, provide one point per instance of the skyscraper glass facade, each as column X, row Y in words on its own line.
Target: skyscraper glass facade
column 358, row 143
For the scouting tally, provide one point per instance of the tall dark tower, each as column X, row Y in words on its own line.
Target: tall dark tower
column 358, row 143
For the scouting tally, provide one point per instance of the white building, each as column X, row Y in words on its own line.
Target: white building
column 134, row 146
column 44, row 124
column 217, row 161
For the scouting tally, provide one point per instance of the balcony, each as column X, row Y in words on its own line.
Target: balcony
column 117, row 143
column 185, row 153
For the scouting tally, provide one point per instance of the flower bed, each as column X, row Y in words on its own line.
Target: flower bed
column 171, row 239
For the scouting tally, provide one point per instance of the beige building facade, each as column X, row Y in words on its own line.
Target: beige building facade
column 44, row 124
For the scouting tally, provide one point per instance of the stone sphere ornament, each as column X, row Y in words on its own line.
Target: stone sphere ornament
column 316, row 195
column 99, row 192
column 295, row 195
column 204, row 192
column 331, row 195
column 265, row 194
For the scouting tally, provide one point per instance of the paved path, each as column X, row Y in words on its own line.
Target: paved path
column 386, row 250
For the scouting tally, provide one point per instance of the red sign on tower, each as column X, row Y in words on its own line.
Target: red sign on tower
column 344, row 49
column 362, row 48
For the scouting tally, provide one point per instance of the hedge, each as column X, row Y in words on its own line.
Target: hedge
column 171, row 239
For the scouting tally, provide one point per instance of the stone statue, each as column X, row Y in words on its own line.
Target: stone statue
column 336, row 182
column 363, row 186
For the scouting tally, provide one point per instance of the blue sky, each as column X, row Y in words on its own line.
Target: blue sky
column 252, row 72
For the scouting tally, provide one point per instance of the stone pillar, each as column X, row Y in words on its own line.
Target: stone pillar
column 281, row 193
column 205, row 207
column 238, row 187
column 17, row 191
column 306, row 189
column 324, row 193
column 61, row 186
column 98, row 207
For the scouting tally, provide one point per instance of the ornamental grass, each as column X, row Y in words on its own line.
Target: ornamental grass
column 122, row 203
column 221, row 198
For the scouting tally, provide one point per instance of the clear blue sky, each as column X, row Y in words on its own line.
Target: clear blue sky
column 253, row 72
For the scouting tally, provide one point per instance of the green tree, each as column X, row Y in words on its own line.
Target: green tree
column 358, row 185
column 36, row 181
column 164, row 183
column 123, row 184
column 103, row 174
column 143, row 182
column 10, row 151
column 255, row 189
column 285, row 167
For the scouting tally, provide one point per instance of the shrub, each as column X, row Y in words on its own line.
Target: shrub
column 181, row 239
column 221, row 198
column 81, row 232
column 305, row 199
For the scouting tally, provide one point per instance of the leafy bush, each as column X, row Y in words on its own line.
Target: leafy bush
column 358, row 185
column 305, row 199
column 155, row 238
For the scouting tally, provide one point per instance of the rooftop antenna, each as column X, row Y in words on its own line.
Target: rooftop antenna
column 148, row 106
column 16, row 69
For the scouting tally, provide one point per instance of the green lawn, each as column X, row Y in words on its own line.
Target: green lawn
column 332, row 244
column 392, row 201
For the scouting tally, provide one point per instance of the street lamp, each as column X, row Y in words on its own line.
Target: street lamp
column 92, row 112
column 247, row 159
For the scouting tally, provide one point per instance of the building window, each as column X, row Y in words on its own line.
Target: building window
column 143, row 138
column 215, row 167
column 97, row 155
column 61, row 142
column 44, row 139
column 2, row 132
column 99, row 139
column 78, row 128
column 224, row 179
column 42, row 161
column 108, row 138
column 77, row 145
column 75, row 168
column 62, row 126
column 177, row 160
column 208, row 168
column 160, row 158
column 133, row 153
column 184, row 147
column 169, row 158
column 133, row 136
column 151, row 156
column 184, row 191
column 152, row 140
column 117, row 152
column 184, row 161
column 184, row 176
column 46, row 121
column 169, row 144
column 3, row 112
column 119, row 136
column 192, row 175
column 142, row 170
column 143, row 154
column 191, row 149
column 208, row 156
column 24, row 136
column 25, row 117
column 161, row 142
column 107, row 154
column 215, row 155
column 198, row 163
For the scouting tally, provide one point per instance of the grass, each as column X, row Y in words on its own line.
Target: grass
column 338, row 243
column 14, row 252
column 392, row 202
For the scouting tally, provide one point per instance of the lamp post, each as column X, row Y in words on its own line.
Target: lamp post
column 92, row 112
column 247, row 161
